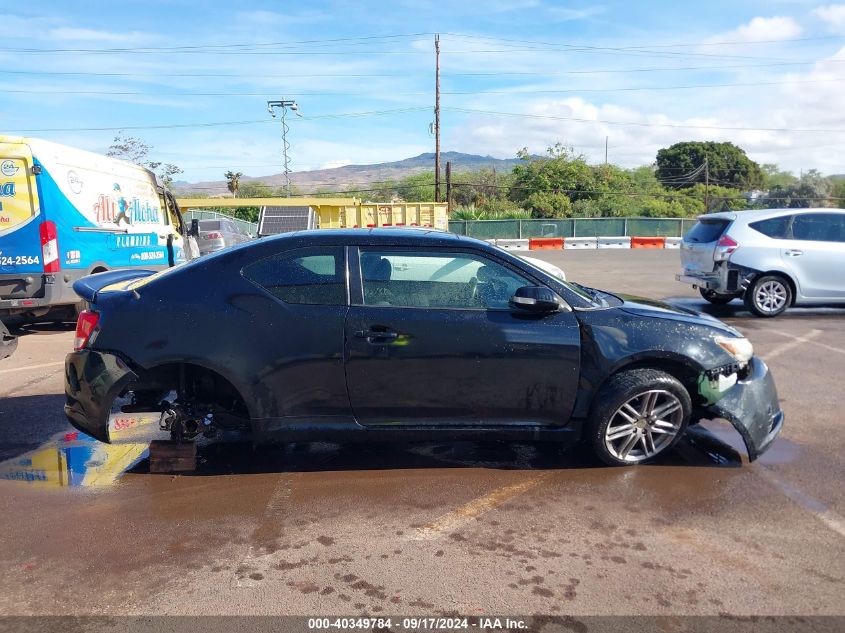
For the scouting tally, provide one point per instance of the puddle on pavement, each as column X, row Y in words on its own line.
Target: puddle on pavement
column 78, row 460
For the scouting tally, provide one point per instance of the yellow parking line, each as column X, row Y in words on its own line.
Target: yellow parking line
column 474, row 508
column 28, row 367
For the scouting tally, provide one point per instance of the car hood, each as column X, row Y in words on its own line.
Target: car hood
column 642, row 307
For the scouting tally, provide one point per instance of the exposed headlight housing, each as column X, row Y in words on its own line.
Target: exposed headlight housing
column 738, row 347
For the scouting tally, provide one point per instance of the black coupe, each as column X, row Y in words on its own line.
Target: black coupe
column 349, row 335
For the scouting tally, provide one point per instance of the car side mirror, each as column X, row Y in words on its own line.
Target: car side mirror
column 194, row 231
column 537, row 299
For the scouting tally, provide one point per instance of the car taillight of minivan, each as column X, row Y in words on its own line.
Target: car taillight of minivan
column 86, row 325
column 49, row 247
column 213, row 236
column 724, row 247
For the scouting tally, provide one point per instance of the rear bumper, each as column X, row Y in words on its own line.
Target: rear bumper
column 93, row 380
column 752, row 407
column 708, row 281
column 40, row 291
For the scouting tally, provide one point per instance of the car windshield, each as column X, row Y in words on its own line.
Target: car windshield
column 209, row 225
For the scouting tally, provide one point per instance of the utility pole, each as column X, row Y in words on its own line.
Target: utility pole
column 283, row 105
column 437, row 118
column 449, row 187
column 605, row 150
column 706, row 186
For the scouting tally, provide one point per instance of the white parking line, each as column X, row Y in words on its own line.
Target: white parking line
column 795, row 342
column 476, row 507
column 824, row 514
column 824, row 345
column 28, row 367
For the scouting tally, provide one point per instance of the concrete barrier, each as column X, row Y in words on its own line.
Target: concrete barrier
column 545, row 243
column 614, row 242
column 673, row 242
column 647, row 242
column 580, row 242
column 513, row 245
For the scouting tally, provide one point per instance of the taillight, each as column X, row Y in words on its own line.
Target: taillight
column 86, row 324
column 724, row 247
column 49, row 247
column 213, row 236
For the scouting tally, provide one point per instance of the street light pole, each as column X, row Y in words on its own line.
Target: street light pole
column 283, row 105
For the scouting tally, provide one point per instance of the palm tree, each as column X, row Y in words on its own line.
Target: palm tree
column 233, row 182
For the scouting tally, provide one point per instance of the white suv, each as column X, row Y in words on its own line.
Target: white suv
column 772, row 258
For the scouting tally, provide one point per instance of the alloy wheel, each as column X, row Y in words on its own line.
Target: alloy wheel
column 644, row 425
column 771, row 296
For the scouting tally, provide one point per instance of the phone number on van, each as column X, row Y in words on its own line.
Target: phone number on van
column 19, row 260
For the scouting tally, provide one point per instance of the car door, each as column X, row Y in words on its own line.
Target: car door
column 431, row 340
column 816, row 254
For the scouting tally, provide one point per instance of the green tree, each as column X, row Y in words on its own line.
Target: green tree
column 233, row 182
column 811, row 190
column 134, row 150
column 682, row 165
column 549, row 185
column 774, row 177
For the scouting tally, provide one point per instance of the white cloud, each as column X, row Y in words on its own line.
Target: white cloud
column 833, row 15
column 658, row 123
column 762, row 29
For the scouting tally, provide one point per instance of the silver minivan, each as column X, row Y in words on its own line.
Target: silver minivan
column 215, row 235
column 771, row 258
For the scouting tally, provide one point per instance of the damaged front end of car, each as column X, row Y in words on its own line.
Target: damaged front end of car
column 744, row 394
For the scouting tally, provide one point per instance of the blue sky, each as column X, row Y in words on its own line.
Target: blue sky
column 766, row 75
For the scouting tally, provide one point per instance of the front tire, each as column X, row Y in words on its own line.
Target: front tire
column 637, row 415
column 768, row 296
column 714, row 297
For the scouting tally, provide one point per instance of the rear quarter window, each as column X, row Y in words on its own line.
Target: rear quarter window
column 706, row 231
column 773, row 227
column 312, row 276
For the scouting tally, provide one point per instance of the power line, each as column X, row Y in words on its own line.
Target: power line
column 158, row 93
column 215, row 75
column 220, row 123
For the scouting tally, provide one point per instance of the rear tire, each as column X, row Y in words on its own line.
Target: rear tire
column 714, row 297
column 768, row 296
column 638, row 415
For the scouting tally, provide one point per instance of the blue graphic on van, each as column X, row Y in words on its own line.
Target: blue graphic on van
column 7, row 190
column 117, row 209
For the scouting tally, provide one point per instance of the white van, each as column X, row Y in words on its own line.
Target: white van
column 66, row 213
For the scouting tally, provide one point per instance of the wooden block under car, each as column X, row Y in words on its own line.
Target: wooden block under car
column 167, row 456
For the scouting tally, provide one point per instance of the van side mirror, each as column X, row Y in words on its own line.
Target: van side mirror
column 537, row 299
column 194, row 231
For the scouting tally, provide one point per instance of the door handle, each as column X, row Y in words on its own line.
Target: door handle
column 794, row 252
column 377, row 334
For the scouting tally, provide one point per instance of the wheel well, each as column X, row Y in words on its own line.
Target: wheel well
column 99, row 269
column 687, row 376
column 779, row 273
column 194, row 383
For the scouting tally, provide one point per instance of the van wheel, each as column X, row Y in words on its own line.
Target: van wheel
column 768, row 296
column 638, row 415
column 714, row 297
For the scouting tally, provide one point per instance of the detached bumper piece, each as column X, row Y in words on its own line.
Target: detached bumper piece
column 752, row 407
column 93, row 381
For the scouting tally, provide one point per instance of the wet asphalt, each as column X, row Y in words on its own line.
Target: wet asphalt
column 435, row 528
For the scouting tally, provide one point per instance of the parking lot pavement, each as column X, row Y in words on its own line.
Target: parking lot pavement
column 471, row 527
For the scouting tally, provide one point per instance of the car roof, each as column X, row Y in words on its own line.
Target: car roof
column 409, row 235
column 761, row 214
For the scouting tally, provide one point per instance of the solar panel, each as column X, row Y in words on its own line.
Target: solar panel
column 275, row 220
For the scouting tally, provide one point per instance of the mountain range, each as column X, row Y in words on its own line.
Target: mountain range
column 352, row 177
